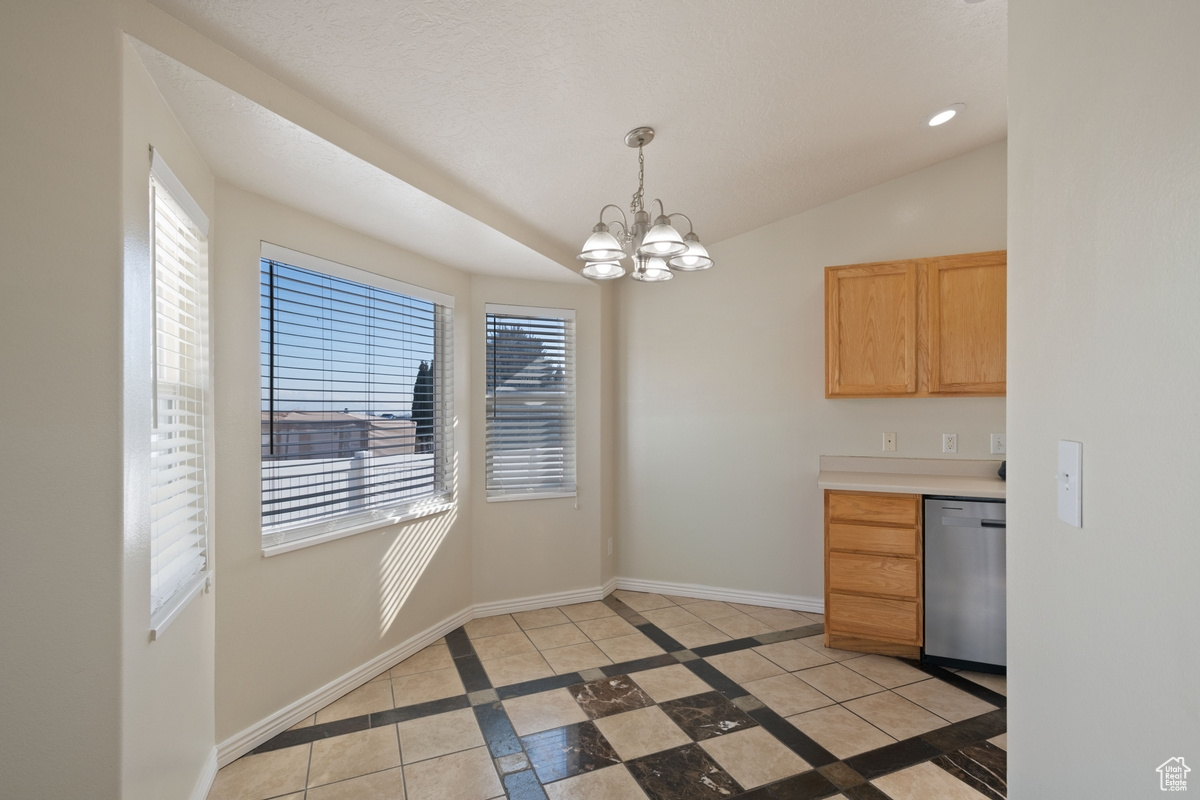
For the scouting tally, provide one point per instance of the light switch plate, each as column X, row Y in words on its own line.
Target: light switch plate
column 998, row 447
column 889, row 442
column 1070, row 482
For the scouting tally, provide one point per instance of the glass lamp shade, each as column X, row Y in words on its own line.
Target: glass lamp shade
column 602, row 270
column 695, row 259
column 655, row 270
column 662, row 241
column 601, row 246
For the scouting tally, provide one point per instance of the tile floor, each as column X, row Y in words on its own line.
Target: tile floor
column 642, row 696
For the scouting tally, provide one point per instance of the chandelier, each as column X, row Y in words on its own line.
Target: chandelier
column 657, row 251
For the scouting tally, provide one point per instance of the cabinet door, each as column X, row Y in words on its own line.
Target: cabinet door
column 871, row 329
column 967, row 306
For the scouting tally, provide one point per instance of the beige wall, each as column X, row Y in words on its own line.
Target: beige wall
column 722, row 408
column 289, row 624
column 1104, row 285
column 167, row 697
column 524, row 548
column 60, row 401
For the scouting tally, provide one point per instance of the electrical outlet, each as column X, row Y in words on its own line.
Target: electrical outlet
column 949, row 442
column 889, row 442
column 998, row 444
column 610, row 545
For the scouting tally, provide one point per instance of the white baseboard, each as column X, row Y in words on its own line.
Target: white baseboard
column 208, row 774
column 795, row 602
column 242, row 743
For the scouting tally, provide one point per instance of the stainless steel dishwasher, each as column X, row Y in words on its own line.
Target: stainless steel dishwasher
column 965, row 614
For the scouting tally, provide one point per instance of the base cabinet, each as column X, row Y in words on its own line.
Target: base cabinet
column 873, row 572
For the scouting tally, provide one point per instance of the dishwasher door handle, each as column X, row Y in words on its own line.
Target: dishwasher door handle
column 992, row 523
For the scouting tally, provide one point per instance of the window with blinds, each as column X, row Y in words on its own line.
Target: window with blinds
column 178, row 505
column 530, row 448
column 356, row 400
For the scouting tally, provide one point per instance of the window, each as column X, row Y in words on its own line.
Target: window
column 178, row 491
column 530, row 402
column 356, row 400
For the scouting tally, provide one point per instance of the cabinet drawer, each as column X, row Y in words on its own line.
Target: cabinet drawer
column 893, row 509
column 853, row 572
column 870, row 539
column 873, row 618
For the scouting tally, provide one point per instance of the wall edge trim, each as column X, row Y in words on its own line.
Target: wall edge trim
column 208, row 774
column 793, row 602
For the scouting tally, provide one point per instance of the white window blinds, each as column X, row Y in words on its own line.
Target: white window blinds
column 530, row 402
column 356, row 400
column 178, row 512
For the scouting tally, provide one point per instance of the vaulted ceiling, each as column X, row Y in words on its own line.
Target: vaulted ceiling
column 763, row 108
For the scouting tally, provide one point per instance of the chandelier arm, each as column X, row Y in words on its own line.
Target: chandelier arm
column 662, row 210
column 685, row 216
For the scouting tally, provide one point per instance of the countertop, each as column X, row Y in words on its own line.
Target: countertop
column 938, row 476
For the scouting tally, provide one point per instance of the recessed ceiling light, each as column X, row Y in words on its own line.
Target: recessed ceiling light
column 944, row 115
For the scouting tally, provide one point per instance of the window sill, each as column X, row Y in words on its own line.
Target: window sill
column 505, row 498
column 160, row 619
column 298, row 542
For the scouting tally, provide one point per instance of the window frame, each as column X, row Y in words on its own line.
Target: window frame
column 568, row 316
column 285, row 539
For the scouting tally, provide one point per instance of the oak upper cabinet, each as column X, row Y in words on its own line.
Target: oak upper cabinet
column 873, row 569
column 930, row 327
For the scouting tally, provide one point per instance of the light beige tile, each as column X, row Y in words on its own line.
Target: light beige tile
column 426, row 686
column 640, row 732
column 683, row 601
column 366, row 699
column 540, row 618
column 1000, row 741
column 556, row 636
column 517, row 669
column 575, row 657
column 895, row 715
column 354, row 754
column 436, row 656
column 835, row 681
column 817, row 643
column 386, row 785
column 787, row 694
column 606, row 628
column 514, row 762
column 304, row 723
column 885, row 670
column 739, row 625
column 815, row 619
column 792, row 655
column 628, row 648
column 696, row 635
column 840, row 732
column 491, row 626
column 997, row 683
column 383, row 676
column 780, row 619
column 670, row 683
column 543, row 711
column 430, row 737
column 468, row 775
column 505, row 644
column 944, row 700
column 754, row 757
column 744, row 666
column 610, row 783
column 582, row 611
column 263, row 775
column 712, row 609
column 640, row 601
column 670, row 617
column 925, row 781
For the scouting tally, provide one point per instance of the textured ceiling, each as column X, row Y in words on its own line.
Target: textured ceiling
column 763, row 108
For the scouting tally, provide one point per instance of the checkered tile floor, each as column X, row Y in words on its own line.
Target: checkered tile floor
column 642, row 696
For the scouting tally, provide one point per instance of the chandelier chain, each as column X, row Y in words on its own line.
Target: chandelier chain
column 636, row 204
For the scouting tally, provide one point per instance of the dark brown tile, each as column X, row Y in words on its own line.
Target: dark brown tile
column 609, row 696
column 983, row 767
column 841, row 775
column 969, row 731
column 865, row 791
column 568, row 751
column 684, row 773
column 892, row 757
column 704, row 716
column 523, row 786
column 497, row 730
column 806, row 786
